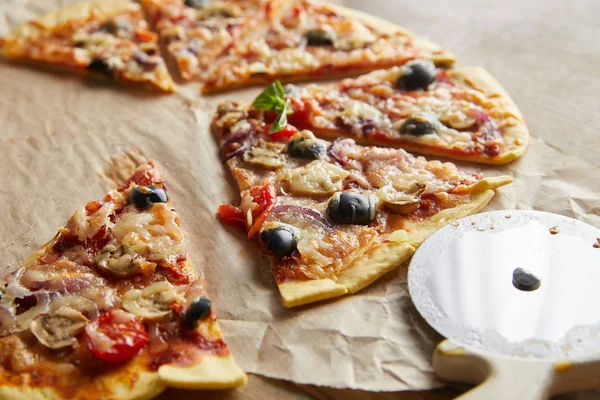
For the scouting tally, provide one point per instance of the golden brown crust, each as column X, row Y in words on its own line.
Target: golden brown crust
column 439, row 56
column 102, row 9
column 516, row 136
column 131, row 382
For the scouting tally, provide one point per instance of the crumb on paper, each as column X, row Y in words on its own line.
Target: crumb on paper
column 455, row 223
column 507, row 216
column 597, row 243
column 554, row 230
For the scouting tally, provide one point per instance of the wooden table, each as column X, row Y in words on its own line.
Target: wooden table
column 545, row 53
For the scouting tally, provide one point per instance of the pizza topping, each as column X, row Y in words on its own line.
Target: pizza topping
column 101, row 66
column 113, row 261
column 265, row 154
column 415, row 75
column 257, row 204
column 280, row 239
column 402, row 202
column 154, row 301
column 352, row 208
column 60, row 329
column 18, row 308
column 196, row 3
column 273, row 99
column 419, row 125
column 318, row 178
column 154, row 234
column 115, row 337
column 320, row 37
column 144, row 196
column 199, row 308
column 305, row 145
column 231, row 215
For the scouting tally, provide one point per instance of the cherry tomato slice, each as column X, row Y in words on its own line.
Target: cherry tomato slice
column 231, row 215
column 264, row 197
column 283, row 135
column 116, row 337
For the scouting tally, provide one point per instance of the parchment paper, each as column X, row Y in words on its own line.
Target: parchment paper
column 57, row 132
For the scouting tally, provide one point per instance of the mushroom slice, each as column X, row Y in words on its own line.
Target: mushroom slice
column 152, row 302
column 60, row 329
column 403, row 202
column 265, row 155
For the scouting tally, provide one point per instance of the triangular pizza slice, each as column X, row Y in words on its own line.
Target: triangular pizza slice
column 301, row 40
column 462, row 114
column 107, row 39
column 112, row 307
column 335, row 216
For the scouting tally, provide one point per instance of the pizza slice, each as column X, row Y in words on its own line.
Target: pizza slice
column 196, row 32
column 462, row 114
column 305, row 40
column 112, row 307
column 107, row 39
column 335, row 216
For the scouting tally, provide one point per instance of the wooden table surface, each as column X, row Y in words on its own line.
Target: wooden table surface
column 546, row 53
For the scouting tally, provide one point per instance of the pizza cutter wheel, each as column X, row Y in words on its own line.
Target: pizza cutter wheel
column 517, row 295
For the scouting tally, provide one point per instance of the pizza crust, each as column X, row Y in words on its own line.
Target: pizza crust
column 212, row 372
column 131, row 382
column 104, row 9
column 441, row 57
column 383, row 257
column 297, row 293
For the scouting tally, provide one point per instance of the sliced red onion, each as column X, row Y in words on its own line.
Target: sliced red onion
column 485, row 124
column 306, row 213
column 145, row 60
column 337, row 150
column 236, row 137
column 245, row 147
column 479, row 116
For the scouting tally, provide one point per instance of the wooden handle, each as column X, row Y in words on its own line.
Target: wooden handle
column 499, row 378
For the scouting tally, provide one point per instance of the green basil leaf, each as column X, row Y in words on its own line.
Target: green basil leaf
column 272, row 98
column 281, row 121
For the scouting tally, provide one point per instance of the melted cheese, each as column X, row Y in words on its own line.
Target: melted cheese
column 154, row 234
column 317, row 178
column 86, row 226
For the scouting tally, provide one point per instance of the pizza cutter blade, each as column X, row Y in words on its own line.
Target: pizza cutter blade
column 517, row 295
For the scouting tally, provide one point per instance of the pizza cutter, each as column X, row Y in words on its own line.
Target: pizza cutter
column 517, row 295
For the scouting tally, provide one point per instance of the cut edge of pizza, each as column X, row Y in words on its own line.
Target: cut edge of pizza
column 504, row 134
column 114, row 305
column 87, row 38
column 293, row 64
column 277, row 178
